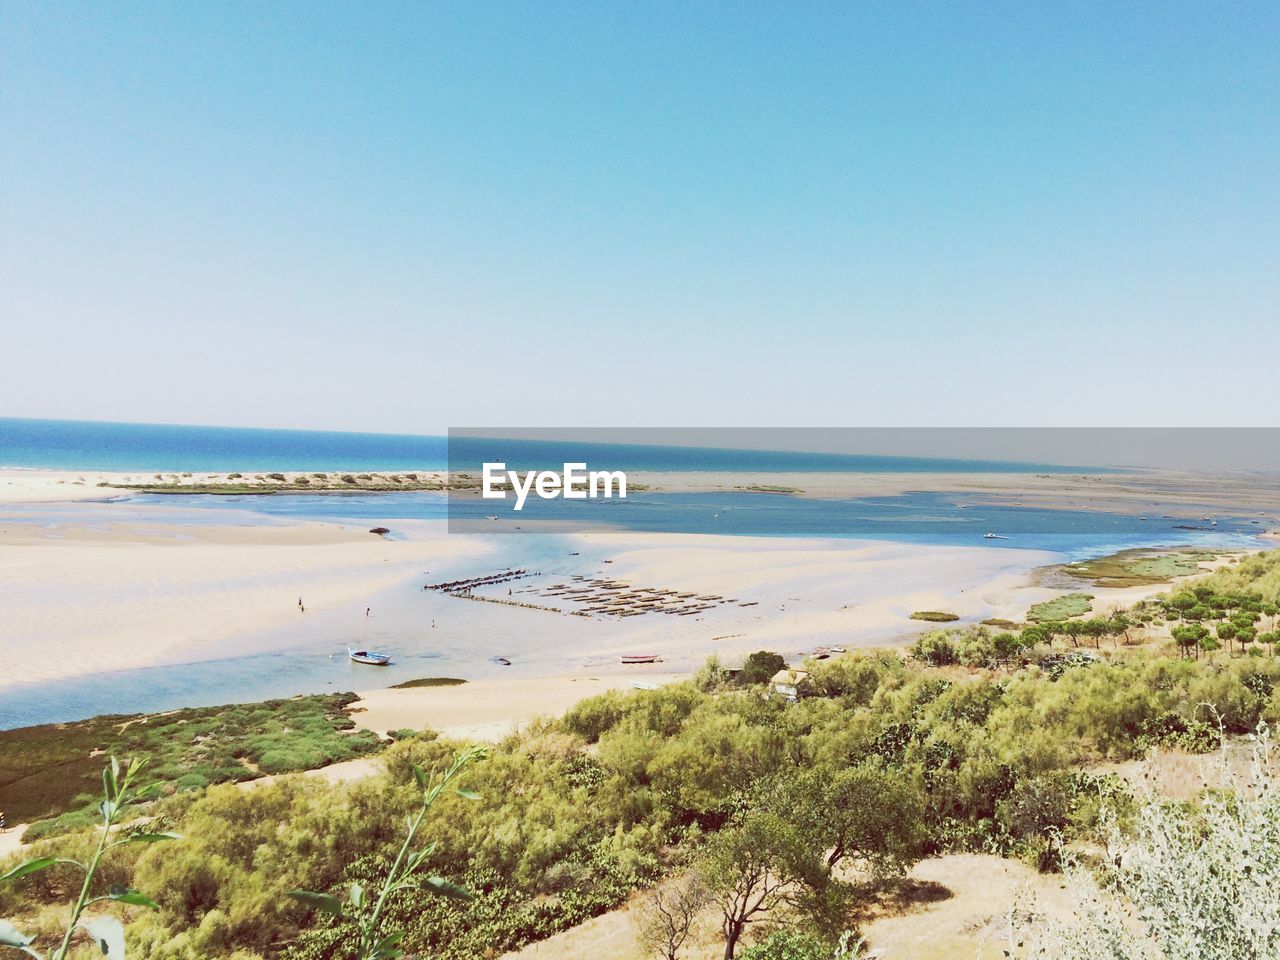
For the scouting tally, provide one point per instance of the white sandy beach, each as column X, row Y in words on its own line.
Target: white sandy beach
column 87, row 598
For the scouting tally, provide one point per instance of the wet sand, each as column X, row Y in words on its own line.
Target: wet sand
column 88, row 599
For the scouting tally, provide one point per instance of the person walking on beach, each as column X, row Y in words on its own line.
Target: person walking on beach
column 366, row 611
column 301, row 608
column 2, row 823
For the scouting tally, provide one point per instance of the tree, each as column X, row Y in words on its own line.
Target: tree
column 1246, row 636
column 1188, row 637
column 668, row 913
column 1245, row 618
column 795, row 829
column 1180, row 603
column 1119, row 626
column 756, row 864
column 1006, row 646
column 1272, row 610
column 863, row 814
column 1035, row 635
column 1073, row 629
column 761, row 666
column 1227, row 632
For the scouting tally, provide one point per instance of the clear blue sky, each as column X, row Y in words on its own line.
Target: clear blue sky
column 409, row 216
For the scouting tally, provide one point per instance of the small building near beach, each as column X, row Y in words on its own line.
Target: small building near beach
column 791, row 685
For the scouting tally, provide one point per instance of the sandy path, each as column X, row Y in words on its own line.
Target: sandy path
column 959, row 910
column 11, row 839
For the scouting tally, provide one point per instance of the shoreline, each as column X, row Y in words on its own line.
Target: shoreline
column 1179, row 494
column 162, row 603
column 145, row 616
column 116, row 594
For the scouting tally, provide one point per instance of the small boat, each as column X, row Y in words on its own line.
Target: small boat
column 369, row 657
column 994, row 536
column 643, row 685
column 500, row 661
column 640, row 658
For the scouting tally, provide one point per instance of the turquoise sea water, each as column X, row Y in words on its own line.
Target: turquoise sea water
column 87, row 445
column 938, row 519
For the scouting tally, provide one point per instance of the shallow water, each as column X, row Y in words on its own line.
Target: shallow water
column 311, row 656
column 924, row 518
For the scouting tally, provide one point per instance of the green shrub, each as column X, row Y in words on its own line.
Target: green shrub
column 792, row 945
column 428, row 682
column 761, row 667
column 577, row 813
column 1184, row 884
column 1061, row 608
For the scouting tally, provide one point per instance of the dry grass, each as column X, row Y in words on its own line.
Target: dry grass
column 1184, row 776
column 946, row 908
column 956, row 907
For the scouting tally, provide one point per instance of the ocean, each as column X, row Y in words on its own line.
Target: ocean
column 89, row 445
column 112, row 447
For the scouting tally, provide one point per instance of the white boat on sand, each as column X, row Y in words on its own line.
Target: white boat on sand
column 369, row 657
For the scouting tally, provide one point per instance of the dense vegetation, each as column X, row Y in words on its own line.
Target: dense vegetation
column 1134, row 568
column 1061, row 608
column 978, row 741
column 1186, row 883
column 47, row 769
column 935, row 616
column 576, row 813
